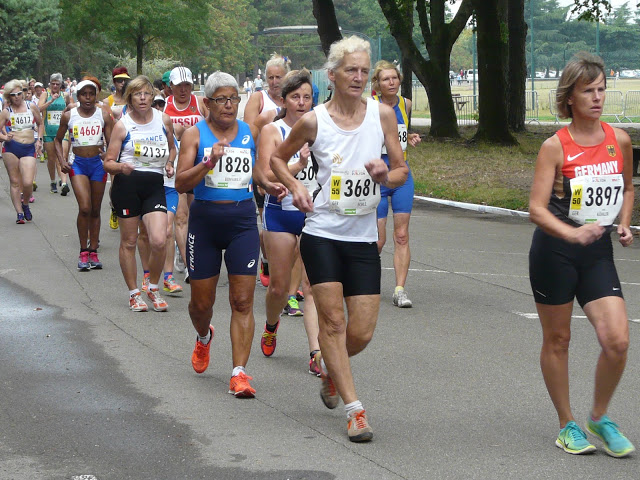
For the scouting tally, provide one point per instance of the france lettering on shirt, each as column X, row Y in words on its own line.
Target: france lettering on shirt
column 155, row 138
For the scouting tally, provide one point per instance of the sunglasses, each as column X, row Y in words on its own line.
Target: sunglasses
column 16, row 94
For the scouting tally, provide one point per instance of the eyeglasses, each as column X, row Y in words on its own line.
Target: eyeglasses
column 25, row 89
column 235, row 100
column 15, row 94
column 142, row 94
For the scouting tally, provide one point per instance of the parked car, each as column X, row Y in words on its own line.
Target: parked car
column 471, row 75
column 627, row 74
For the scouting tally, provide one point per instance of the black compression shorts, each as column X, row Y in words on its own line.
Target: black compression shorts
column 138, row 194
column 560, row 271
column 354, row 264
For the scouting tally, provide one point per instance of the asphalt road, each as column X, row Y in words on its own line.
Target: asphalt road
column 452, row 387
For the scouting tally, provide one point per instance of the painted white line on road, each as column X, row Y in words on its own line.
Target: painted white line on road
column 483, row 208
column 534, row 316
column 4, row 271
column 84, row 477
column 426, row 270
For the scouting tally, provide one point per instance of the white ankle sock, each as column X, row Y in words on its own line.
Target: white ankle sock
column 237, row 370
column 353, row 407
column 206, row 339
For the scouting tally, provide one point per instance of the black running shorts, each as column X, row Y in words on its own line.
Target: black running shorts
column 354, row 264
column 560, row 271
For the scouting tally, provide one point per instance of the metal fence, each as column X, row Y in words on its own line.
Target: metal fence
column 615, row 106
column 631, row 105
column 466, row 109
column 532, row 108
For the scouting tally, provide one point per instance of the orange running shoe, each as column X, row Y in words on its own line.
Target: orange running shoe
column 358, row 427
column 171, row 287
column 239, row 386
column 137, row 304
column 159, row 303
column 328, row 392
column 268, row 341
column 145, row 282
column 200, row 356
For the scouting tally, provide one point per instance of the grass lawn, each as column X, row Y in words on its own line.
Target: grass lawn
column 465, row 171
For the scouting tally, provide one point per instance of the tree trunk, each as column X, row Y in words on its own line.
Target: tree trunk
column 140, row 43
column 328, row 28
column 438, row 39
column 139, row 52
column 492, row 55
column 407, row 74
column 517, row 67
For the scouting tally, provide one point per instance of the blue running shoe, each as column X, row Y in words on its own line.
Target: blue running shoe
column 28, row 216
column 573, row 440
column 615, row 443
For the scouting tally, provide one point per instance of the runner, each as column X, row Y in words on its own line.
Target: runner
column 216, row 161
column 51, row 106
column 588, row 168
column 115, row 106
column 116, row 101
column 338, row 243
column 18, row 121
column 282, row 222
column 86, row 124
column 170, row 286
column 265, row 101
column 185, row 110
column 140, row 151
column 386, row 81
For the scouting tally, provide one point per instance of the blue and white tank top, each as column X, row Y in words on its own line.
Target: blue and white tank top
column 232, row 176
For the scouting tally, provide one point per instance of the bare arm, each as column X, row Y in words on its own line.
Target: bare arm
column 304, row 131
column 189, row 174
column 252, row 108
column 412, row 138
column 57, row 141
column 623, row 230
column 548, row 166
column 398, row 171
column 168, row 126
column 111, row 164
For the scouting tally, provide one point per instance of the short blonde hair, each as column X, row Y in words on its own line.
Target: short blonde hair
column 9, row 86
column 584, row 67
column 378, row 68
column 343, row 47
column 137, row 85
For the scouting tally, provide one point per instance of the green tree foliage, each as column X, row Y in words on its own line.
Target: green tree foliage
column 24, row 27
column 135, row 24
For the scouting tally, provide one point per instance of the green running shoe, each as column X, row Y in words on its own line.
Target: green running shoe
column 573, row 440
column 615, row 443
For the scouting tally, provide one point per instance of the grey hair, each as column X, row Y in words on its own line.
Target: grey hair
column 55, row 77
column 219, row 80
column 343, row 47
column 277, row 61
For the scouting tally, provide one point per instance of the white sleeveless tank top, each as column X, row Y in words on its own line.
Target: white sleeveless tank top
column 145, row 146
column 85, row 132
column 337, row 150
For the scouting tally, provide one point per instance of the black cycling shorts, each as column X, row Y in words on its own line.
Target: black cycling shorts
column 138, row 193
column 354, row 264
column 560, row 271
column 214, row 227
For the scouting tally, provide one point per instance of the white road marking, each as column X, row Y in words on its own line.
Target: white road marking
column 534, row 316
column 430, row 270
